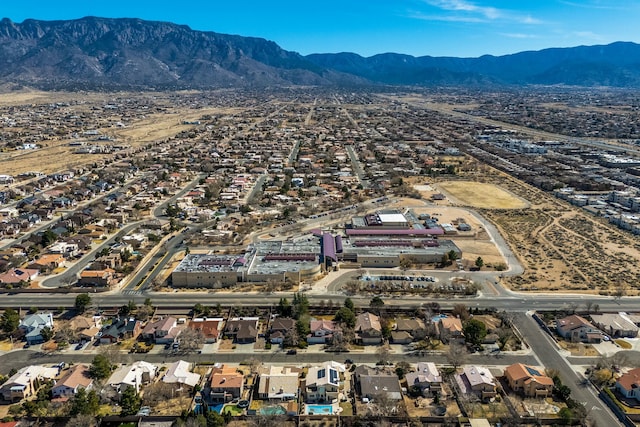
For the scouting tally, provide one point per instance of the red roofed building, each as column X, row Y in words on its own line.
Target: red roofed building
column 629, row 384
column 528, row 380
column 210, row 328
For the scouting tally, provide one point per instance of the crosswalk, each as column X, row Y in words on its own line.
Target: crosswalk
column 131, row 292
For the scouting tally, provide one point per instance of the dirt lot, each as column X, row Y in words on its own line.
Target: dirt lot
column 561, row 247
column 481, row 195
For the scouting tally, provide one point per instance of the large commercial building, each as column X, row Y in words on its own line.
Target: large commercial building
column 382, row 240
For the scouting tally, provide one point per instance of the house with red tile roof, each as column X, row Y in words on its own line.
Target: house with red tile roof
column 629, row 384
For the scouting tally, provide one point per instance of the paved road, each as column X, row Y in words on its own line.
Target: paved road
column 70, row 274
column 18, row 359
column 548, row 356
column 188, row 299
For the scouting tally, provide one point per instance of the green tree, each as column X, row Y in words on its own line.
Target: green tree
column 346, row 317
column 479, row 262
column 198, row 309
column 349, row 304
column 474, row 331
column 566, row 416
column 100, row 367
column 214, row 419
column 48, row 237
column 82, row 302
column 46, row 333
column 9, row 321
column 284, row 307
column 128, row 308
column 376, row 304
column 300, row 305
column 130, row 402
column 84, row 403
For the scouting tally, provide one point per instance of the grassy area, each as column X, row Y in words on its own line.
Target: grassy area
column 232, row 409
column 624, row 344
column 347, row 409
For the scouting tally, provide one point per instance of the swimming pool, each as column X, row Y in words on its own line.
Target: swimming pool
column 272, row 410
column 318, row 409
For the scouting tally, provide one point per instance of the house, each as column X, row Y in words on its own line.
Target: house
column 134, row 375
column 371, row 383
column 48, row 262
column 629, row 384
column 323, row 383
column 617, row 325
column 26, row 382
column 401, row 337
column 368, row 329
column 65, row 249
column 576, row 328
column 408, row 330
column 17, row 276
column 33, row 324
column 450, row 329
column 121, row 329
column 85, row 328
column 162, row 331
column 322, row 331
column 74, row 378
column 242, row 330
column 477, row 380
column 179, row 375
column 97, row 278
column 210, row 328
column 528, row 380
column 279, row 383
column 426, row 378
column 279, row 328
column 225, row 384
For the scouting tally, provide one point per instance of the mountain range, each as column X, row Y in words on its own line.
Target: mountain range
column 115, row 53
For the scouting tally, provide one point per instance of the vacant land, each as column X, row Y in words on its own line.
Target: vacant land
column 562, row 247
column 481, row 195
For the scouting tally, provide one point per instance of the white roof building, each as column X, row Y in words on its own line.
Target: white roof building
column 179, row 373
column 135, row 375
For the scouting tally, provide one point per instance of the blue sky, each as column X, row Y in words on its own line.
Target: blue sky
column 465, row 28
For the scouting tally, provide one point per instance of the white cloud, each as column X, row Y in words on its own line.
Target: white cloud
column 589, row 35
column 467, row 11
column 465, row 6
column 519, row 35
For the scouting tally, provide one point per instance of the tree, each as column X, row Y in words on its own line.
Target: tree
column 82, row 302
column 100, row 367
column 214, row 419
column 9, row 321
column 84, row 403
column 198, row 309
column 82, row 421
column 144, row 312
column 383, row 352
column 284, row 307
column 479, row 262
column 291, row 338
column 130, row 402
column 349, row 304
column 191, row 339
column 345, row 317
column 461, row 312
column 376, row 304
column 457, row 354
column 402, row 368
column 128, row 308
column 46, row 333
column 474, row 331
